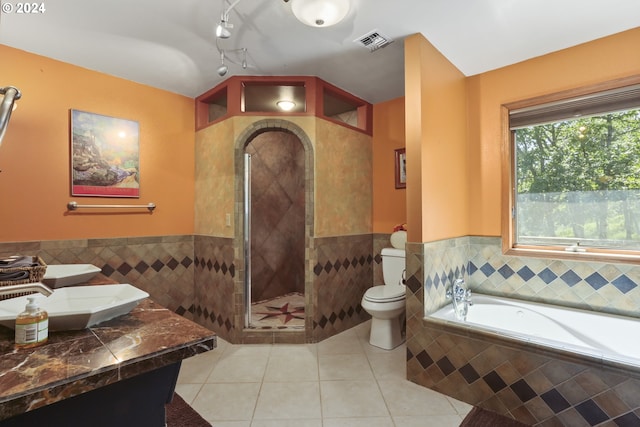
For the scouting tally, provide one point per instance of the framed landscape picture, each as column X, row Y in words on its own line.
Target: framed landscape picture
column 105, row 156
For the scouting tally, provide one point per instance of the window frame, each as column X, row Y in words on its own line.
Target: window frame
column 509, row 246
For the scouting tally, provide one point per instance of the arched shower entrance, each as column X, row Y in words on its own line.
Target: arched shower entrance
column 274, row 226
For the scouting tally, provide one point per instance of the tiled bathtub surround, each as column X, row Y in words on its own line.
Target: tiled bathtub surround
column 525, row 382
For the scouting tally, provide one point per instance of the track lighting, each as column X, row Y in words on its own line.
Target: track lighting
column 222, row 30
column 222, row 69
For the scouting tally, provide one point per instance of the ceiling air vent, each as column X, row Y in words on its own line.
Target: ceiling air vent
column 374, row 40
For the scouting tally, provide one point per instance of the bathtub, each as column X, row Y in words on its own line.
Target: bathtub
column 605, row 338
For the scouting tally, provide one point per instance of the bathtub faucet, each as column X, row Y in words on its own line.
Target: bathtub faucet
column 460, row 297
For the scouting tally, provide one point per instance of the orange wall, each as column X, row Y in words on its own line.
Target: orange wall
column 389, row 203
column 34, row 156
column 436, row 129
column 598, row 61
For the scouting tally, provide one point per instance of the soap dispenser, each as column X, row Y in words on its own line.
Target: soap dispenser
column 32, row 325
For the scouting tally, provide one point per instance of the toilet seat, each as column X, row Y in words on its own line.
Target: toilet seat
column 385, row 293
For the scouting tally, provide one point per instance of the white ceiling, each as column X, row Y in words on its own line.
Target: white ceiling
column 170, row 44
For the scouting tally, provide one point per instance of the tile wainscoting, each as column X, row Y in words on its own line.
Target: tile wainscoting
column 201, row 277
column 159, row 265
column 530, row 384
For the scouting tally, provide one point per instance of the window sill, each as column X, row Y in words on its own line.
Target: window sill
column 559, row 253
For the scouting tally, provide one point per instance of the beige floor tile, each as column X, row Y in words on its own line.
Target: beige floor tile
column 292, row 363
column 388, row 366
column 287, row 400
column 197, row 368
column 227, row 402
column 239, row 368
column 358, row 422
column 433, row 420
column 233, row 424
column 188, row 392
column 461, row 407
column 286, row 423
column 344, row 343
column 344, row 367
column 405, row 398
column 352, row 398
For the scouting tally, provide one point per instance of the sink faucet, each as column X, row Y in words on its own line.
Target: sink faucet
column 26, row 287
column 460, row 296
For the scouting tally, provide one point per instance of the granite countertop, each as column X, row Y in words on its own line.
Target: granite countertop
column 74, row 362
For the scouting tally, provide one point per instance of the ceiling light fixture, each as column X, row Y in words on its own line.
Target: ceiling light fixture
column 222, row 69
column 222, row 30
column 320, row 13
column 286, row 105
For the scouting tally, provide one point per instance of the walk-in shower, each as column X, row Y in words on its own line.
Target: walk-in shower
column 274, row 232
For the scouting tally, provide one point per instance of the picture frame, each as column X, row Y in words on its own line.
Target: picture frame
column 105, row 155
column 401, row 168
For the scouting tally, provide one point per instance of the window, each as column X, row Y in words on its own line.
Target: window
column 575, row 173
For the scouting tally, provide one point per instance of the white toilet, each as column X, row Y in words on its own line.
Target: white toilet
column 386, row 303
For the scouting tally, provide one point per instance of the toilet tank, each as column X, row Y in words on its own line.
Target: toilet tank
column 393, row 264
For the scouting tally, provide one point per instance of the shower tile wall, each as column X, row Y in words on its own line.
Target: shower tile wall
column 536, row 388
column 160, row 265
column 277, row 215
column 343, row 270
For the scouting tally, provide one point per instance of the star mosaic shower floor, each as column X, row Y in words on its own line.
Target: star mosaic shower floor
column 284, row 312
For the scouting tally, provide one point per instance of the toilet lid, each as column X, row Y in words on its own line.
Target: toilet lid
column 385, row 293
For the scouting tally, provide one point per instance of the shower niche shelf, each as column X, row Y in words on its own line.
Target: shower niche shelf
column 259, row 95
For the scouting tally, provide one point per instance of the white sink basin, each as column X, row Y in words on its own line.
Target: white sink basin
column 59, row 275
column 77, row 307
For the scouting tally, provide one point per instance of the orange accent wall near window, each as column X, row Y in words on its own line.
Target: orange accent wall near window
column 34, row 156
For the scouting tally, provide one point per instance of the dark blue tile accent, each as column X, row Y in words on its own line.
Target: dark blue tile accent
column 472, row 268
column 317, row 269
column 506, row 271
column 596, row 281
column 624, row 284
column 570, row 278
column 443, row 279
column 445, row 366
column 591, row 412
column 487, row 269
column 463, row 271
column 428, row 283
column 547, row 276
column 494, row 381
column 525, row 273
column 436, row 281
column 456, row 273
column 523, row 390
column 627, row 420
column 555, row 400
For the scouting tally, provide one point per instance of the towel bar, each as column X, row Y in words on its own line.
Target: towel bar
column 72, row 206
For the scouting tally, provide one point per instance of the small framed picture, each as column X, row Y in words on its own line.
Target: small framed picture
column 401, row 168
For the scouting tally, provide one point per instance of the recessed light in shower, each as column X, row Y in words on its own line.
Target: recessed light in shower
column 286, row 105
